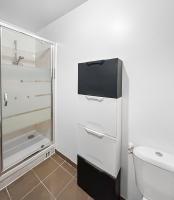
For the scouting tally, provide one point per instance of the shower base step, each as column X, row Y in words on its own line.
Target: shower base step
column 18, row 149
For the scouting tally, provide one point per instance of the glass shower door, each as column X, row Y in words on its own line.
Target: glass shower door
column 26, row 92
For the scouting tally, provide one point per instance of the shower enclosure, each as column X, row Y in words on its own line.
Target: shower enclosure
column 26, row 91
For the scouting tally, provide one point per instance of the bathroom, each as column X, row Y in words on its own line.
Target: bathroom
column 52, row 40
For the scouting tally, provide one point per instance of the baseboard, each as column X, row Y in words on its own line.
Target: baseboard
column 97, row 183
column 65, row 158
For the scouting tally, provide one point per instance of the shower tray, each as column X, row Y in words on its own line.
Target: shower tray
column 18, row 149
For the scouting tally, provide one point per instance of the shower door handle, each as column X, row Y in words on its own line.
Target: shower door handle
column 5, row 99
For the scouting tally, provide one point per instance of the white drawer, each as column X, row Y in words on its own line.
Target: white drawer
column 100, row 113
column 99, row 149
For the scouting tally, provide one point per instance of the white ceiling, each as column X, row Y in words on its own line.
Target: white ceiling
column 35, row 14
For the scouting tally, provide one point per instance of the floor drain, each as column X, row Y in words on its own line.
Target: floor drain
column 31, row 137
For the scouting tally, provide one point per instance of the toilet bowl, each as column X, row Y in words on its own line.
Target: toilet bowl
column 154, row 171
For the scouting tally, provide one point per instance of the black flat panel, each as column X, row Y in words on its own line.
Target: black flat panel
column 97, row 183
column 101, row 78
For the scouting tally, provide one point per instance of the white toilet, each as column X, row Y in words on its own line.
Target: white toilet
column 154, row 172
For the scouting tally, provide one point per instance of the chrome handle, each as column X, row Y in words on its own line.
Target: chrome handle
column 5, row 99
column 94, row 98
column 95, row 133
column 131, row 148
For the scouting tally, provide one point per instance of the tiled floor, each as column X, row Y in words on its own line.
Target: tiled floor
column 54, row 179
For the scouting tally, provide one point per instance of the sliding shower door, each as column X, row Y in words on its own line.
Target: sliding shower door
column 26, row 92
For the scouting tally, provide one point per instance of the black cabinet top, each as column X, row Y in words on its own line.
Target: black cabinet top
column 101, row 78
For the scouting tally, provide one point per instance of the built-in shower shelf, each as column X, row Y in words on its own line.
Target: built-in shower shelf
column 18, row 149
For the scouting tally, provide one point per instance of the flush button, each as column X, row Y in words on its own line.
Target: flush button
column 159, row 154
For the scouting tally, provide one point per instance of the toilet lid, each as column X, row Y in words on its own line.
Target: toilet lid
column 155, row 157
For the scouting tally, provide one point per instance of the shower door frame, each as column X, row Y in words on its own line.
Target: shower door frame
column 53, row 59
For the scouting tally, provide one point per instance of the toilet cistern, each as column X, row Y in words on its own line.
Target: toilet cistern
column 154, row 171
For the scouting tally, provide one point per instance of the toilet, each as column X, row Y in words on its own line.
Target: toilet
column 154, row 171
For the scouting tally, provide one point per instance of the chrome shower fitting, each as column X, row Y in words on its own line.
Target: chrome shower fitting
column 16, row 58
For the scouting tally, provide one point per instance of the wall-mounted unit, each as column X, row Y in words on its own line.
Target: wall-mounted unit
column 27, row 64
column 99, row 128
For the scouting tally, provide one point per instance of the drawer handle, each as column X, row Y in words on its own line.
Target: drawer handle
column 94, row 98
column 95, row 133
column 99, row 62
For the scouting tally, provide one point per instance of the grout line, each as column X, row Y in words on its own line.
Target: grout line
column 48, row 190
column 63, row 162
column 8, row 193
column 66, row 158
column 61, row 165
column 64, row 188
column 72, row 176
column 67, row 171
column 69, row 164
column 48, row 174
column 51, row 172
column 30, row 191
column 41, row 181
column 36, row 175
column 57, row 162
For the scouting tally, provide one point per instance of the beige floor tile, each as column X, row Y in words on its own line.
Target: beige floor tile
column 58, row 159
column 72, row 170
column 57, row 181
column 45, row 168
column 4, row 195
column 22, row 185
column 73, row 192
column 39, row 193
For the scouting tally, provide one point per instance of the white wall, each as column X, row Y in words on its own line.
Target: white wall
column 141, row 33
